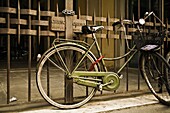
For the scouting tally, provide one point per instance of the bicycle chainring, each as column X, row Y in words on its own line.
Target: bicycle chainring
column 111, row 77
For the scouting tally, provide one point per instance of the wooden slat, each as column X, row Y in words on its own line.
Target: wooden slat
column 168, row 26
column 86, row 17
column 115, row 36
column 40, row 23
column 7, row 31
column 149, row 24
column 2, row 20
column 18, row 21
column 110, row 28
column 114, row 19
column 131, row 29
column 28, row 12
column 101, row 19
column 101, row 35
column 47, row 13
column 47, row 33
column 28, row 32
column 8, row 10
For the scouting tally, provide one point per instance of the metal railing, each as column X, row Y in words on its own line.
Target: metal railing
column 25, row 32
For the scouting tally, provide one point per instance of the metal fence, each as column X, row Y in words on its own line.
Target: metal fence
column 28, row 30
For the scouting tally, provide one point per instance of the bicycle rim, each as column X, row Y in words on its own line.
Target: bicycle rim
column 155, row 71
column 51, row 76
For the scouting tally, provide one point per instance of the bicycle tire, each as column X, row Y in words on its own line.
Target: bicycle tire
column 156, row 72
column 81, row 94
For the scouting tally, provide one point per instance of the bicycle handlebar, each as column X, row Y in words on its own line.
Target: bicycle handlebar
column 152, row 13
column 122, row 22
column 141, row 21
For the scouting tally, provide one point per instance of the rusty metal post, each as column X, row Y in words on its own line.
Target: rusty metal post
column 69, row 35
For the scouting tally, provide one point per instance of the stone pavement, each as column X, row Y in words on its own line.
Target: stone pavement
column 99, row 104
column 19, row 90
column 103, row 106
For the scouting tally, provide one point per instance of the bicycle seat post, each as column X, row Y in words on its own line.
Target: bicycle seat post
column 99, row 50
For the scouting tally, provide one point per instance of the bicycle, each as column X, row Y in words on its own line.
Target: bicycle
column 73, row 60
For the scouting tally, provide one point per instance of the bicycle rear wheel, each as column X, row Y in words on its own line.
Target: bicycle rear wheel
column 53, row 76
column 156, row 72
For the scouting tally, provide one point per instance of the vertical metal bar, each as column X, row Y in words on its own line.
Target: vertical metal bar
column 34, row 38
column 161, row 9
column 29, row 55
column 162, row 18
column 19, row 23
column 39, row 17
column 138, row 52
column 87, row 12
column 127, row 9
column 139, row 9
column 127, row 72
column 149, row 8
column 57, row 14
column 87, row 7
column 160, row 3
column 48, row 45
column 68, row 35
column 8, row 55
column 166, row 44
column 149, row 2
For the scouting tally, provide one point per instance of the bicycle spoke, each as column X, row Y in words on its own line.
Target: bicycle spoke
column 55, row 64
column 62, row 60
column 65, row 56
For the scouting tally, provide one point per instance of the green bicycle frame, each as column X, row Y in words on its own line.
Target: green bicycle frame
column 93, row 78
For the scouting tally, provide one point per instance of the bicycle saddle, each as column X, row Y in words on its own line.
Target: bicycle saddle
column 91, row 29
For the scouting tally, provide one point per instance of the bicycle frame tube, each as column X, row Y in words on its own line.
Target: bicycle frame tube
column 99, row 52
column 84, row 55
column 127, row 61
column 95, row 42
column 116, row 58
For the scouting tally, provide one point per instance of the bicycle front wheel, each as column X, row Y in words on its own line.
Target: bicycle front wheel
column 156, row 72
column 53, row 79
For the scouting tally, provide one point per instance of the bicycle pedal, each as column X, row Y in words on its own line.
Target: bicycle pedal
column 120, row 76
column 100, row 88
